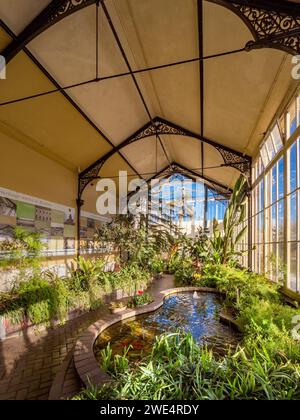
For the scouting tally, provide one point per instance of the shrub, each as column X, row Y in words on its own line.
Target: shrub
column 44, row 297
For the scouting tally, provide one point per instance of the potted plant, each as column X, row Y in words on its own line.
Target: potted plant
column 117, row 307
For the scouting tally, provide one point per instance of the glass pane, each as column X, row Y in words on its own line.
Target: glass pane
column 264, row 155
column 293, row 167
column 274, row 184
column 268, row 192
column 261, row 228
column 274, row 261
column 277, row 138
column 268, row 225
column 258, row 228
column 280, row 178
column 282, row 125
column 281, row 267
column 293, row 266
column 270, row 148
column 274, row 224
column 293, row 117
column 262, row 198
column 293, row 217
column 280, row 227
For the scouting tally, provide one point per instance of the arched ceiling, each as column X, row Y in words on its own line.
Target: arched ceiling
column 234, row 95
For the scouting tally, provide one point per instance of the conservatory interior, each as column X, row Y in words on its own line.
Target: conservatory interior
column 189, row 110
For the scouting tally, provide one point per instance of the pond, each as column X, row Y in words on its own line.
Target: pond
column 179, row 312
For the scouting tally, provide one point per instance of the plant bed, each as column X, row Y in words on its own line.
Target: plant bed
column 140, row 299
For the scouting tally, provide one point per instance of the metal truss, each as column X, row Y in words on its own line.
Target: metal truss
column 272, row 24
column 176, row 168
column 159, row 126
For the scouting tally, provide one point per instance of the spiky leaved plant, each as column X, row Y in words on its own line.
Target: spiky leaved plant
column 224, row 243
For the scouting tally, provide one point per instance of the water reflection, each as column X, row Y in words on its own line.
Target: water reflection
column 199, row 316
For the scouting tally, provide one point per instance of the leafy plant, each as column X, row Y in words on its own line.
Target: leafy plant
column 23, row 251
column 179, row 369
column 140, row 299
column 220, row 247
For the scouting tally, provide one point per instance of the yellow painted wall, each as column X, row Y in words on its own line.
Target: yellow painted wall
column 26, row 171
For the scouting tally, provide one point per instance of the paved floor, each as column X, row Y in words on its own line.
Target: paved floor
column 29, row 363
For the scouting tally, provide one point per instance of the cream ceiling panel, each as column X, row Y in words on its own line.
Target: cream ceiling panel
column 179, row 95
column 51, row 121
column 236, row 90
column 236, row 86
column 114, row 165
column 142, row 156
column 213, row 162
column 17, row 14
column 113, row 105
column 168, row 35
column 110, row 170
column 223, row 30
column 157, row 31
column 68, row 49
column 185, row 151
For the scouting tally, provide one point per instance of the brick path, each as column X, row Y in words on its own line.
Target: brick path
column 29, row 363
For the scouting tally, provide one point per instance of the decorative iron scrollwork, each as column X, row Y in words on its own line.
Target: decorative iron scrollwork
column 93, row 173
column 177, row 169
column 266, row 23
column 66, row 7
column 236, row 161
column 162, row 127
column 271, row 29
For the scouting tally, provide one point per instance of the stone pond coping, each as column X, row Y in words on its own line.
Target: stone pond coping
column 84, row 359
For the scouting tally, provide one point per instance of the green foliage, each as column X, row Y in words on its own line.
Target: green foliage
column 140, row 299
column 179, row 369
column 141, row 244
column 43, row 297
column 258, row 307
column 23, row 251
column 220, row 248
column 185, row 271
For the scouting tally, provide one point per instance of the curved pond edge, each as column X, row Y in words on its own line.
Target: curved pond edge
column 85, row 362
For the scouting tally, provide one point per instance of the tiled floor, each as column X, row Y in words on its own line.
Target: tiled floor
column 29, row 363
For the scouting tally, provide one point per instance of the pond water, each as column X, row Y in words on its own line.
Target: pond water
column 179, row 312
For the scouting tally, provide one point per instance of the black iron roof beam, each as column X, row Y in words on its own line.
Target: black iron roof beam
column 280, row 6
column 224, row 189
column 231, row 157
column 176, row 129
column 59, row 9
column 194, row 176
column 272, row 24
column 201, row 72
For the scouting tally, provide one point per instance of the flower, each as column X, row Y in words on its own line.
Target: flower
column 140, row 292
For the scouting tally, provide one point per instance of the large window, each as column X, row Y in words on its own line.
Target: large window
column 276, row 201
column 189, row 203
column 293, row 222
